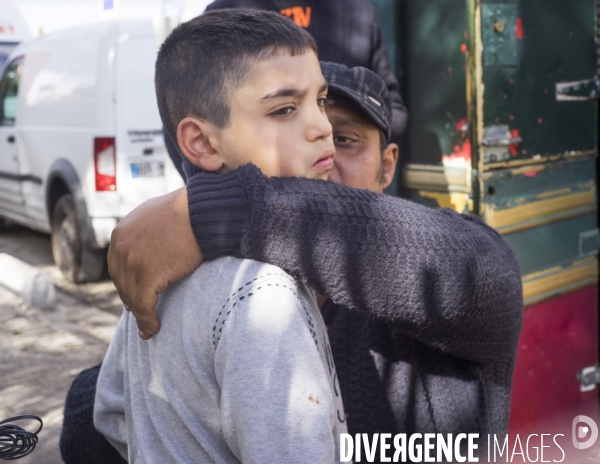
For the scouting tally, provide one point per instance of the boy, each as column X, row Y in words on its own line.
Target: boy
column 346, row 32
column 243, row 374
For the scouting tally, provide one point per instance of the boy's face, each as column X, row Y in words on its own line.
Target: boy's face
column 278, row 120
column 359, row 161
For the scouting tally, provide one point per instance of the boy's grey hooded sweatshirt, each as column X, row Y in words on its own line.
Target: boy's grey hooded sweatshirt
column 241, row 371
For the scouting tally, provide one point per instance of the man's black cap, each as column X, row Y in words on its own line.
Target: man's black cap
column 363, row 87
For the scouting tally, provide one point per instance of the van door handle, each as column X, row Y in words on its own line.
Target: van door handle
column 10, row 139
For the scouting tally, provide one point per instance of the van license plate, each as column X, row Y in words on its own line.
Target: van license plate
column 155, row 169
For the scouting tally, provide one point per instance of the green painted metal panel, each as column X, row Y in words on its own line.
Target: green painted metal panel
column 519, row 75
column 506, row 188
column 533, row 196
column 555, row 43
column 589, row 242
column 550, row 245
column 498, row 34
column 435, row 38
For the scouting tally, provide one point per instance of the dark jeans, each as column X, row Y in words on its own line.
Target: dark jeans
column 80, row 442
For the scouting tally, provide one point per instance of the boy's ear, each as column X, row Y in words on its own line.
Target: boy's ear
column 194, row 139
column 389, row 161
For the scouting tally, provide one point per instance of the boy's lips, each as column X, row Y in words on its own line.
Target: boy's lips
column 325, row 161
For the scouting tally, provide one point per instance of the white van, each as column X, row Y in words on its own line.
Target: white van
column 81, row 141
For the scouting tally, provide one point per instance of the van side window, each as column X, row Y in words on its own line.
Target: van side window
column 9, row 90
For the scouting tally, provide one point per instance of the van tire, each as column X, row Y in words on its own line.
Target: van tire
column 76, row 260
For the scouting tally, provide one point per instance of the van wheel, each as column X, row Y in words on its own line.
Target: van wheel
column 78, row 262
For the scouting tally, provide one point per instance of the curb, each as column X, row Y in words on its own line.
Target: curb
column 27, row 282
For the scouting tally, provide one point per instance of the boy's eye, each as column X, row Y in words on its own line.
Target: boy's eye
column 325, row 102
column 283, row 111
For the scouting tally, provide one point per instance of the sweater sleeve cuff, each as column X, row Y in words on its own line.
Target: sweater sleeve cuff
column 217, row 208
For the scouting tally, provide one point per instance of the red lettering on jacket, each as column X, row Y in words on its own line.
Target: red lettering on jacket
column 300, row 16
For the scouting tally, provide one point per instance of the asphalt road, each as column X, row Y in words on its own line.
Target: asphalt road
column 42, row 351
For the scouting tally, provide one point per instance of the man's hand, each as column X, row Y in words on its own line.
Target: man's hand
column 152, row 247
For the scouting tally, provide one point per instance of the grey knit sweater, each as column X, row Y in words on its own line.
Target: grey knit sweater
column 426, row 306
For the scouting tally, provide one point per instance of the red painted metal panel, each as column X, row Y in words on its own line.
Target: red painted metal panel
column 559, row 339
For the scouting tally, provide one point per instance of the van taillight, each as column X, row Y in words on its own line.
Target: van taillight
column 105, row 165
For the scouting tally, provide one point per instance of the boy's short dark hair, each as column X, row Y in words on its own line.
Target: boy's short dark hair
column 204, row 60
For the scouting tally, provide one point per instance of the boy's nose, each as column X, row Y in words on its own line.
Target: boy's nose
column 318, row 126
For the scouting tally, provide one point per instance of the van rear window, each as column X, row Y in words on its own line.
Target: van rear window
column 9, row 91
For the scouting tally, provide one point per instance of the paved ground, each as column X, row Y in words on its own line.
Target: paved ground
column 42, row 351
column 34, row 248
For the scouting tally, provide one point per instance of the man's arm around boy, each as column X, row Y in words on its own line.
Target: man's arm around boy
column 447, row 279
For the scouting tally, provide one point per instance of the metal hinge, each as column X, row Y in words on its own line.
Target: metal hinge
column 587, row 89
column 498, row 136
column 588, row 378
column 496, row 142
